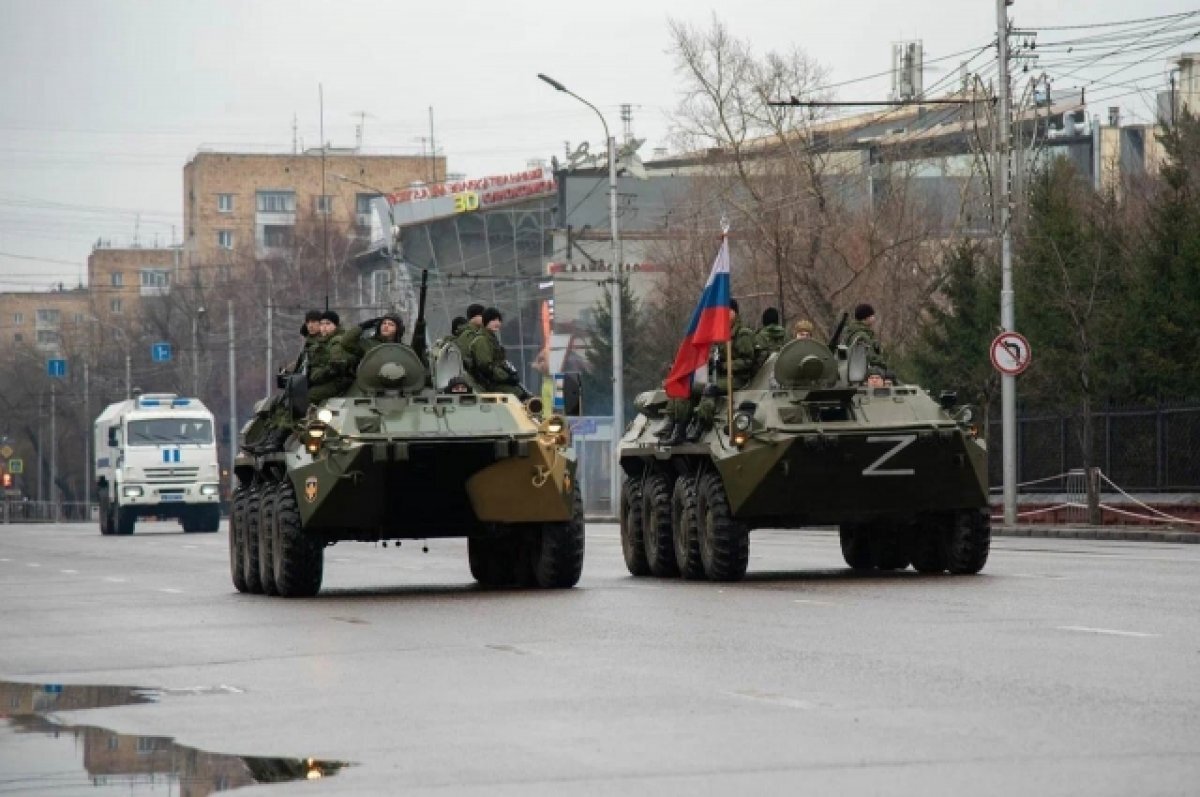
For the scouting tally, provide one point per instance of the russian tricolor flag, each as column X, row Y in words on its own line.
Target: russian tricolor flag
column 709, row 325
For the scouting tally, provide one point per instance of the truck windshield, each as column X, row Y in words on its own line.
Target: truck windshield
column 170, row 430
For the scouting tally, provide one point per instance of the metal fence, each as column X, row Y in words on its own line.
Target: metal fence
column 1148, row 450
column 47, row 512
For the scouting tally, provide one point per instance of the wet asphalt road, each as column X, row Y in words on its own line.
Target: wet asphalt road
column 1067, row 667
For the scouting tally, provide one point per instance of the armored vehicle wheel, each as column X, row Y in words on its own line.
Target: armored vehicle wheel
column 493, row 560
column 250, row 564
column 299, row 557
column 237, row 540
column 557, row 558
column 657, row 535
column 889, row 549
column 927, row 545
column 685, row 528
column 856, row 545
column 724, row 543
column 123, row 520
column 633, row 544
column 266, row 542
column 969, row 541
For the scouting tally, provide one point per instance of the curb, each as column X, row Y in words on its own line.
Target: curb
column 1114, row 533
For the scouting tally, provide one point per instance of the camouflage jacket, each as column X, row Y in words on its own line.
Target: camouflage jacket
column 320, row 367
column 742, row 343
column 857, row 331
column 767, row 341
column 489, row 364
column 466, row 336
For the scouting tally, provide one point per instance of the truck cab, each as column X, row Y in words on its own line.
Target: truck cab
column 156, row 455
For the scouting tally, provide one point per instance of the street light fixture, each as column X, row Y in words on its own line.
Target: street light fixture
column 618, row 355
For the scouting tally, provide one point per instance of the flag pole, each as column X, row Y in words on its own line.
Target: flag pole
column 728, row 347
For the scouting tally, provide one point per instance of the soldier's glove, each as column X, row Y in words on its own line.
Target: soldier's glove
column 370, row 322
column 511, row 370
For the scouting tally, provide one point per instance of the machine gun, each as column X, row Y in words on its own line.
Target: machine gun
column 837, row 332
column 419, row 344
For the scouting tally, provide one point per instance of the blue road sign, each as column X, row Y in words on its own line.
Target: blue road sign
column 161, row 352
column 583, row 426
column 56, row 368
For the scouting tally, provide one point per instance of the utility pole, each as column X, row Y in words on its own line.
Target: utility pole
column 128, row 372
column 196, row 355
column 41, row 447
column 53, row 450
column 87, row 442
column 232, row 396
column 1008, row 383
column 270, row 313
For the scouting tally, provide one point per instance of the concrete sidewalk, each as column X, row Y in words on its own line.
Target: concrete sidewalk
column 1131, row 533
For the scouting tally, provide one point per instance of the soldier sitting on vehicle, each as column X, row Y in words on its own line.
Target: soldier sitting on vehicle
column 803, row 329
column 863, row 330
column 770, row 338
column 488, row 363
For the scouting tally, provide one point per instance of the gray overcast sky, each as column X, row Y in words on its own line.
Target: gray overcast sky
column 102, row 102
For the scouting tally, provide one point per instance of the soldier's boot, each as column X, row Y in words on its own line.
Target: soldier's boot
column 695, row 429
column 274, row 440
column 678, row 434
column 667, row 431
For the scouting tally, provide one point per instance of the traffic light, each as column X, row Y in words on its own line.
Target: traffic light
column 7, row 480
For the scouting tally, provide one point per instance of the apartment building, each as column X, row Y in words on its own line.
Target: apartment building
column 119, row 278
column 241, row 207
column 38, row 319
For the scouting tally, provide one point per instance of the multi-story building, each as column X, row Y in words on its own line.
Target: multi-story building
column 37, row 319
column 240, row 207
column 120, row 278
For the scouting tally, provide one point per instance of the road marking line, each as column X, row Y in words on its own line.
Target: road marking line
column 1083, row 629
column 69, row 572
column 5, row 560
column 815, row 603
column 115, row 580
column 171, row 591
column 32, row 564
column 774, row 699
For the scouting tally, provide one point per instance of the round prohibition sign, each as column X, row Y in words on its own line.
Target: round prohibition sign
column 1010, row 353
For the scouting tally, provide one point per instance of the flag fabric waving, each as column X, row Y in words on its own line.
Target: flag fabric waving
column 709, row 325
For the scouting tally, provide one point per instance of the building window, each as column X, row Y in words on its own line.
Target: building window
column 381, row 286
column 224, row 203
column 118, row 279
column 47, row 337
column 47, row 317
column 323, row 204
column 225, row 239
column 155, row 278
column 276, row 202
column 18, row 318
column 362, row 203
column 77, row 318
column 18, row 337
column 277, row 236
column 114, row 306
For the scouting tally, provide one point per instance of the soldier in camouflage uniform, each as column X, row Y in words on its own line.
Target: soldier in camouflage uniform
column 326, row 377
column 862, row 329
column 770, row 338
column 682, row 422
column 466, row 336
column 490, row 365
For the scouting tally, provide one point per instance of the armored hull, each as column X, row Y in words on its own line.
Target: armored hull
column 805, row 444
column 401, row 457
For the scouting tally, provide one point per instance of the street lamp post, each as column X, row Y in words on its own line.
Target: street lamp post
column 618, row 355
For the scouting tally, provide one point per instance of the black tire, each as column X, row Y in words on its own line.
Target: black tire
column 685, row 528
column 969, row 541
column 856, row 545
column 123, row 520
column 927, row 545
column 266, row 539
column 299, row 557
column 493, row 560
column 205, row 519
column 633, row 544
column 889, row 547
column 724, row 542
column 105, row 521
column 237, row 540
column 558, row 555
column 250, row 563
column 657, row 535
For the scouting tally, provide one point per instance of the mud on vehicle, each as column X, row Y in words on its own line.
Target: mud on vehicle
column 410, row 453
column 903, row 476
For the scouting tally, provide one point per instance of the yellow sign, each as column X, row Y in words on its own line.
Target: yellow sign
column 466, row 202
column 6, row 451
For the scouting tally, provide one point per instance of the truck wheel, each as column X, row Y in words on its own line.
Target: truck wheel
column 210, row 518
column 685, row 528
column 250, row 564
column 927, row 545
column 724, row 543
column 124, row 520
column 657, row 535
column 856, row 545
column 237, row 540
column 969, row 541
column 558, row 557
column 105, row 527
column 633, row 544
column 493, row 560
column 266, row 541
column 299, row 557
column 889, row 548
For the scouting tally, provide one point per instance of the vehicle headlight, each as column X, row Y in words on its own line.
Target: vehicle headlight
column 555, row 425
column 132, row 491
column 325, row 415
column 314, row 437
column 209, row 489
column 742, row 422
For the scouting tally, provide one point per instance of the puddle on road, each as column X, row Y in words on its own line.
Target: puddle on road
column 40, row 756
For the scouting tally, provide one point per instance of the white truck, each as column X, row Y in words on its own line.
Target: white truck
column 156, row 455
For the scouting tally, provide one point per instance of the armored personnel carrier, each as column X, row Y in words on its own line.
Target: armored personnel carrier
column 410, row 454
column 808, row 443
